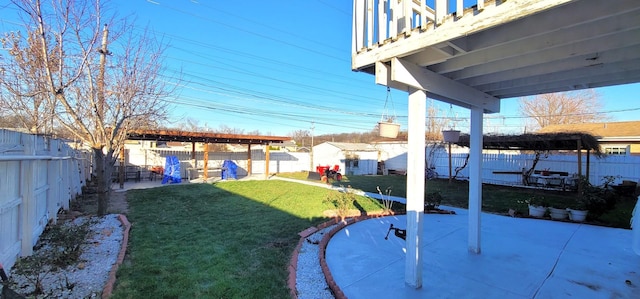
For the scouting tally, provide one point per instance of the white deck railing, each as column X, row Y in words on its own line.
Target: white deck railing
column 375, row 21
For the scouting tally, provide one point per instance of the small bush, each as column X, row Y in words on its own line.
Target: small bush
column 386, row 201
column 432, row 201
column 342, row 200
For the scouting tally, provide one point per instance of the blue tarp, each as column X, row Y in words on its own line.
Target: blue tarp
column 229, row 170
column 172, row 171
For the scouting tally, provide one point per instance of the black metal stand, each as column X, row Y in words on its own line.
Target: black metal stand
column 400, row 233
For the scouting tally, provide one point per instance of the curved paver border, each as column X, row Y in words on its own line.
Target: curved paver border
column 293, row 262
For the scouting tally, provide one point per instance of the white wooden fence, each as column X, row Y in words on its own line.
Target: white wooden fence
column 494, row 165
column 38, row 177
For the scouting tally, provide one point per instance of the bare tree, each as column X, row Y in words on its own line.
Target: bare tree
column 224, row 129
column 100, row 75
column 21, row 85
column 300, row 136
column 581, row 106
column 436, row 122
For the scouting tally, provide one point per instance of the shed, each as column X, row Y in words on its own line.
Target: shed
column 352, row 158
column 393, row 154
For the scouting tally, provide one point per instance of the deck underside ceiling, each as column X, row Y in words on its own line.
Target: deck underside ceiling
column 511, row 49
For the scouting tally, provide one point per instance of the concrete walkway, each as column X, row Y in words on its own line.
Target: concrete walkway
column 521, row 258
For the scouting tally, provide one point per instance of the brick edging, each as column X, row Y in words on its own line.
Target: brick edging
column 293, row 262
column 108, row 288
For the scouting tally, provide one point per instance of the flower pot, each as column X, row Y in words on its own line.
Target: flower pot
column 451, row 136
column 389, row 130
column 537, row 211
column 558, row 214
column 577, row 215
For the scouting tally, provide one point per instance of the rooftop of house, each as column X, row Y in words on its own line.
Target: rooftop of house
column 604, row 129
column 360, row 147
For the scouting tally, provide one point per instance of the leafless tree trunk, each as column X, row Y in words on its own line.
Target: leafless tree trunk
column 98, row 89
column 436, row 122
column 581, row 106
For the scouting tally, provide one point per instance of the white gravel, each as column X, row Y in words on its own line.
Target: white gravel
column 101, row 249
column 310, row 281
column 90, row 275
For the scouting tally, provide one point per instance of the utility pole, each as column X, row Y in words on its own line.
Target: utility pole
column 311, row 151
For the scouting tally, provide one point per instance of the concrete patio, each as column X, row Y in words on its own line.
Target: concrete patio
column 521, row 258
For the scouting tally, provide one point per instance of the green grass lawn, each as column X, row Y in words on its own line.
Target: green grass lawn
column 495, row 199
column 228, row 240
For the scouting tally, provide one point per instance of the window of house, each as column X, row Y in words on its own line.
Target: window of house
column 615, row 150
column 352, row 160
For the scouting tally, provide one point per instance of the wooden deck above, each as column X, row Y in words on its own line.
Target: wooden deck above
column 497, row 49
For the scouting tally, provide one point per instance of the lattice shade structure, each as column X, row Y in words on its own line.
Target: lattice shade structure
column 538, row 142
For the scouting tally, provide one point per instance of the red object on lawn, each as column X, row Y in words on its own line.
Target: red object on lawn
column 327, row 172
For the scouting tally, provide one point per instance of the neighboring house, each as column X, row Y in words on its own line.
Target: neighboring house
column 615, row 138
column 352, row 158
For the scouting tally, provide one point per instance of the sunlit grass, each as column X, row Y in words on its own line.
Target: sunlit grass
column 495, row 198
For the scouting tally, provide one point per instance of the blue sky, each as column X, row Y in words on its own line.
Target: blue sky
column 281, row 66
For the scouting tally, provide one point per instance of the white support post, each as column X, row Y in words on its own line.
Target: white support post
column 383, row 21
column 415, row 186
column 475, row 179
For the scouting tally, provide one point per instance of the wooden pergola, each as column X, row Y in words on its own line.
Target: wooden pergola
column 207, row 138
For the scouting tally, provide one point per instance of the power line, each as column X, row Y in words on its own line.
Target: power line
column 251, row 32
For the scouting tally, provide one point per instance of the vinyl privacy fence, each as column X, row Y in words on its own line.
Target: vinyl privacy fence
column 38, row 177
column 506, row 169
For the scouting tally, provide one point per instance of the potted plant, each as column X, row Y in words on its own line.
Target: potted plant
column 537, row 206
column 432, row 201
column 577, row 212
column 387, row 128
column 451, row 135
column 592, row 200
